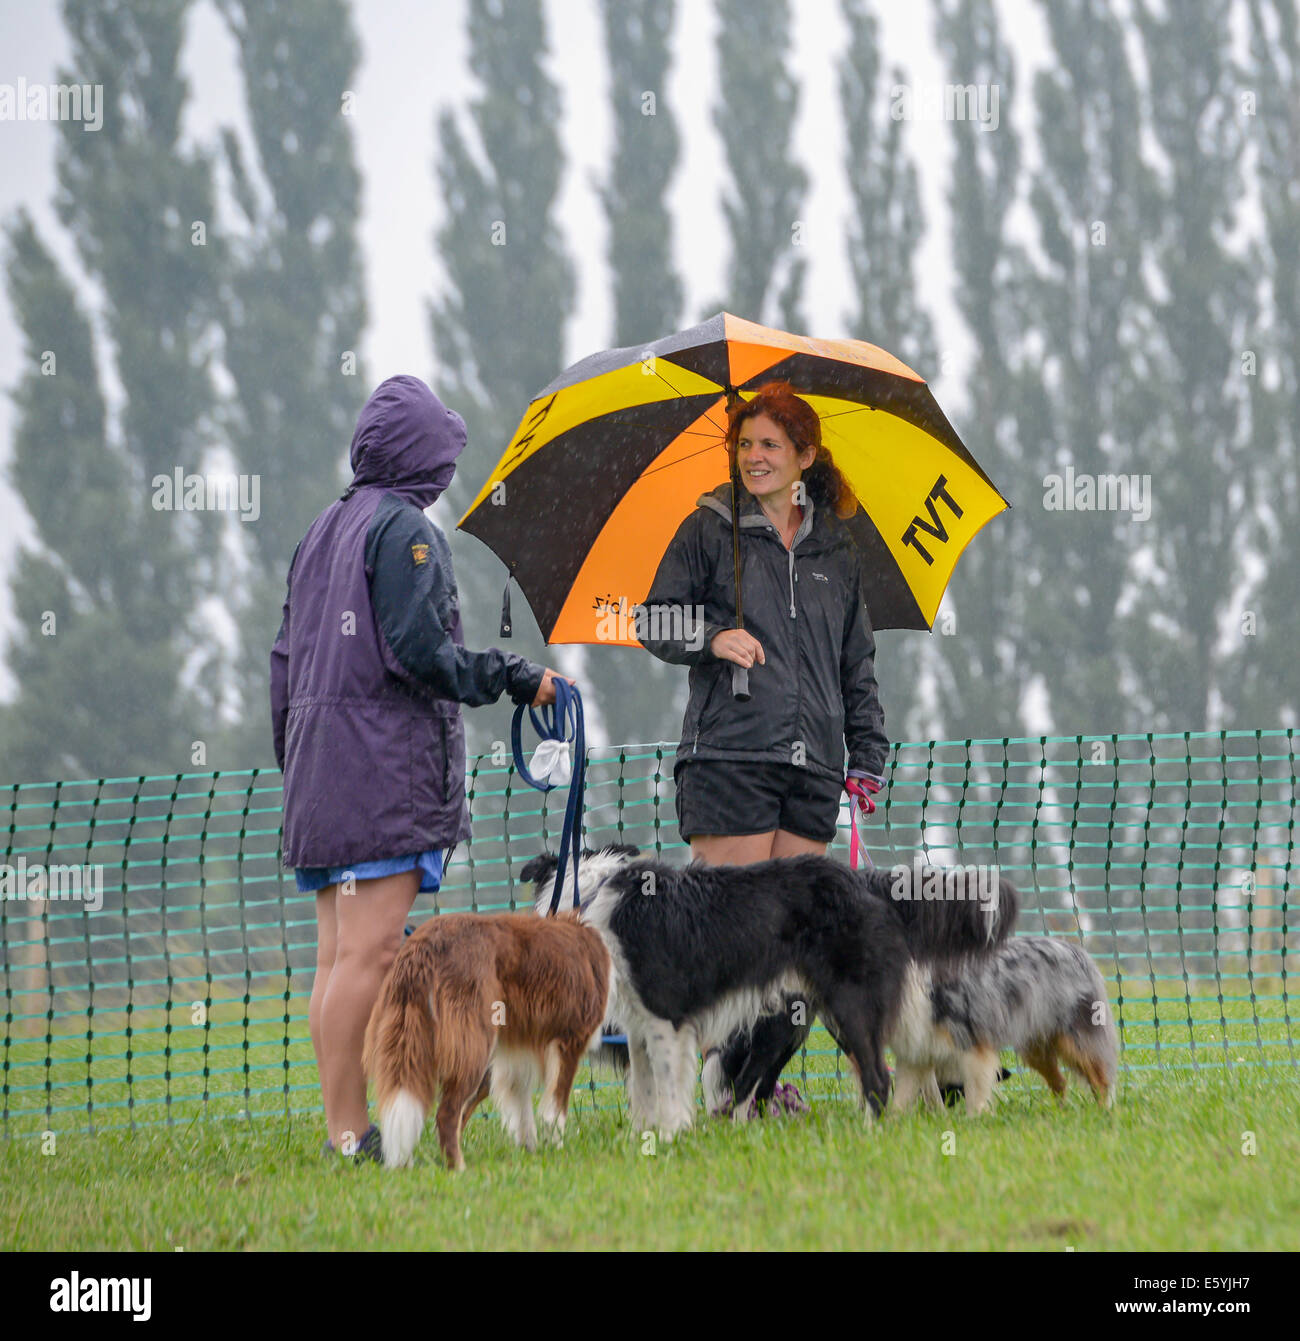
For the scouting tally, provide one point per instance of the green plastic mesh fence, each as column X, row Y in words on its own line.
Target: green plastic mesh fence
column 157, row 961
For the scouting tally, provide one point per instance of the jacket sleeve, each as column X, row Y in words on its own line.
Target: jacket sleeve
column 280, row 672
column 413, row 599
column 676, row 631
column 864, row 719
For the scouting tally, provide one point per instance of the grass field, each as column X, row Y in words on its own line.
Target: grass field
column 1165, row 1170
column 241, row 1168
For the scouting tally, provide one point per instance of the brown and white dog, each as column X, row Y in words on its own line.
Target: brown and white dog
column 484, row 1003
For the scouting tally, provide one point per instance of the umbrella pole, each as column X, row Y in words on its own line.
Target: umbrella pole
column 739, row 675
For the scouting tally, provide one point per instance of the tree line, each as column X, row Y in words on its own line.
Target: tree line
column 1124, row 248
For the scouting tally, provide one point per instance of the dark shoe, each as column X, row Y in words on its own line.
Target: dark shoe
column 368, row 1147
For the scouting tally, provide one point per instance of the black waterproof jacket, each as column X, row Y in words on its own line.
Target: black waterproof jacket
column 806, row 607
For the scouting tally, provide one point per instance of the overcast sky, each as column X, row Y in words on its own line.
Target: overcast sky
column 414, row 64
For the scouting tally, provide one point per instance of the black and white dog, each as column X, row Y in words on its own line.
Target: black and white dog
column 704, row 951
column 750, row 1062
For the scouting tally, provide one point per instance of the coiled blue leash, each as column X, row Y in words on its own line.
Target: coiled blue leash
column 554, row 724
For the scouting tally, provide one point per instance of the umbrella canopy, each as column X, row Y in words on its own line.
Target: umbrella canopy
column 613, row 454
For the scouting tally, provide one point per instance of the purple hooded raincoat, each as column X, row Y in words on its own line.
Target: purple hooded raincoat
column 369, row 669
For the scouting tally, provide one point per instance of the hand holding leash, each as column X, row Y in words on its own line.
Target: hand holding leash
column 860, row 791
column 559, row 725
column 546, row 690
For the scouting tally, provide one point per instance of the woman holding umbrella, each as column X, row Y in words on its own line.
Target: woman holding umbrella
column 760, row 774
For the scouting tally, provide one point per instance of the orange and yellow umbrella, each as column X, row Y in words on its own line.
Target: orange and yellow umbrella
column 613, row 454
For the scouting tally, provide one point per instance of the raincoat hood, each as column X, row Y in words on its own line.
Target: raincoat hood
column 406, row 441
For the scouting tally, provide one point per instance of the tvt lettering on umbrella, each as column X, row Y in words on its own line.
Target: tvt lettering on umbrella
column 520, row 448
column 934, row 526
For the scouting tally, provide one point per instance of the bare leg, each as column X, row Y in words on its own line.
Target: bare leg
column 370, row 922
column 327, row 936
column 787, row 844
column 752, row 1063
column 732, row 850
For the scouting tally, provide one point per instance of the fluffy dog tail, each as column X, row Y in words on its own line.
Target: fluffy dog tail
column 1091, row 1045
column 953, row 914
column 407, row 1055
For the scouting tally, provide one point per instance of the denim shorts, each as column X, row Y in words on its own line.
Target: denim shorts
column 719, row 796
column 429, row 864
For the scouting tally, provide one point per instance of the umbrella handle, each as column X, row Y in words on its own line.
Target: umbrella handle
column 740, row 684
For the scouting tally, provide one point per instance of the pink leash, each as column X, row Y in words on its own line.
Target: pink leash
column 859, row 796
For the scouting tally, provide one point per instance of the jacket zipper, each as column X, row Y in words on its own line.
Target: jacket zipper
column 699, row 725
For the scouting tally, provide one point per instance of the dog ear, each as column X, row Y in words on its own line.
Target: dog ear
column 539, row 868
column 622, row 850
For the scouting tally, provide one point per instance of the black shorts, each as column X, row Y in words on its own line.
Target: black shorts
column 722, row 796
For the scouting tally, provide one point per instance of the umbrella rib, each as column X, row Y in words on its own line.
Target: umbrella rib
column 654, row 470
column 857, row 409
column 681, row 395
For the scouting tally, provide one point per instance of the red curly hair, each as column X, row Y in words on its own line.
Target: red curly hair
column 826, row 486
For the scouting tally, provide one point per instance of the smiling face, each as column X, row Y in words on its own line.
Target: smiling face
column 768, row 460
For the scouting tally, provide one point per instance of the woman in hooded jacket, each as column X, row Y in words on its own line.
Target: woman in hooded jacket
column 762, row 777
column 368, row 675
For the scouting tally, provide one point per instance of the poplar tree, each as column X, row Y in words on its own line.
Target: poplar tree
column 639, row 697
column 293, row 308
column 1266, row 631
column 646, row 287
column 108, row 597
column 1199, row 397
column 755, row 117
column 886, row 225
column 982, row 670
column 498, row 326
column 1091, row 197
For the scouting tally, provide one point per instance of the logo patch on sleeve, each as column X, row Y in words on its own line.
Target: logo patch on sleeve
column 420, row 553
